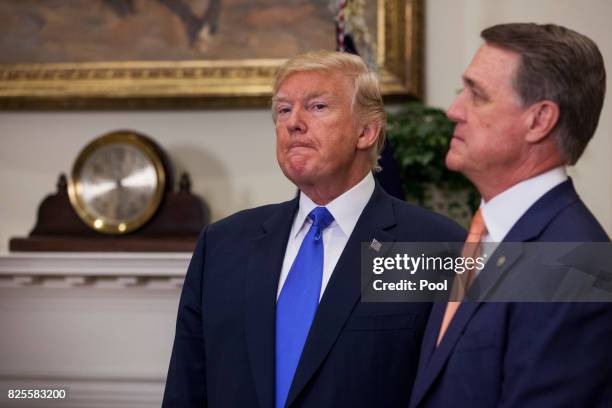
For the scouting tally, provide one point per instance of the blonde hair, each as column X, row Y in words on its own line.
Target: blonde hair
column 367, row 101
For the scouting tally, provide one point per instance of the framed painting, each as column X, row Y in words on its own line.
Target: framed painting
column 138, row 54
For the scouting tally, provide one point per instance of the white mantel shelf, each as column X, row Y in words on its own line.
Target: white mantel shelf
column 99, row 269
column 96, row 263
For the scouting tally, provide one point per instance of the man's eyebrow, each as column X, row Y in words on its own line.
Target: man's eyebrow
column 281, row 98
column 473, row 84
column 307, row 97
column 313, row 95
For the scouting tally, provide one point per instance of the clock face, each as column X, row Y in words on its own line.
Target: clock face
column 117, row 184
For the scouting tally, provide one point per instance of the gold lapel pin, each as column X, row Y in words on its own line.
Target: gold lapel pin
column 501, row 261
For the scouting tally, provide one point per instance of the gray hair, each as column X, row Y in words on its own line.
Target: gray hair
column 562, row 66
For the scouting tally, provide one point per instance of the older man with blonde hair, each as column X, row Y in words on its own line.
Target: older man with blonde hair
column 270, row 314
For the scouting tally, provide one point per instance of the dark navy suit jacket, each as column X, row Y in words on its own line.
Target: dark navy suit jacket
column 357, row 354
column 523, row 354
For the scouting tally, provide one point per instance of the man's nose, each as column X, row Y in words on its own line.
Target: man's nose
column 456, row 112
column 296, row 122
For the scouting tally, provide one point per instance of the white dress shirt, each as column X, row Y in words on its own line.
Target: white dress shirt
column 505, row 209
column 346, row 210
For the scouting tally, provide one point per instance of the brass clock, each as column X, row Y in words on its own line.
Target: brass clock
column 117, row 182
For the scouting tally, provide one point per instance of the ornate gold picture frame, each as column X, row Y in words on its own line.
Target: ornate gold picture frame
column 182, row 84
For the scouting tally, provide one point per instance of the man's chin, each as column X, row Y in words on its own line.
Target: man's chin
column 453, row 161
column 302, row 180
column 299, row 175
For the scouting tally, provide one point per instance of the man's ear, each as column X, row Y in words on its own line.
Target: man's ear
column 368, row 136
column 542, row 119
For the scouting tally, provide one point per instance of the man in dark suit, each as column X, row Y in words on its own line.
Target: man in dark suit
column 530, row 104
column 270, row 314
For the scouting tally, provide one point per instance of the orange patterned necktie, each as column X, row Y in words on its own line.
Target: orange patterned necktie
column 462, row 282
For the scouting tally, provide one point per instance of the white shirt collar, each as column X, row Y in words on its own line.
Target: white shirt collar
column 505, row 209
column 345, row 208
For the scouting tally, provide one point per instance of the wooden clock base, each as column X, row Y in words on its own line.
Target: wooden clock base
column 111, row 244
column 174, row 228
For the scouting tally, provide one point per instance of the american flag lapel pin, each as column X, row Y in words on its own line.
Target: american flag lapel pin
column 375, row 245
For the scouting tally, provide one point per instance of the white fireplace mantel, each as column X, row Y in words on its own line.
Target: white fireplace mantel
column 100, row 324
column 91, row 263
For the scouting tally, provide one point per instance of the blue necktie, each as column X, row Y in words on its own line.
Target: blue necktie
column 298, row 303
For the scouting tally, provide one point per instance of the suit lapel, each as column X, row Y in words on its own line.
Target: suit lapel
column 431, row 367
column 431, row 334
column 433, row 358
column 540, row 214
column 500, row 261
column 266, row 256
column 343, row 290
column 528, row 228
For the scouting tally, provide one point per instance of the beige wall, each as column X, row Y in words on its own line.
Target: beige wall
column 230, row 153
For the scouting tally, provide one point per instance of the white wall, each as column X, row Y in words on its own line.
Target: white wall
column 230, row 153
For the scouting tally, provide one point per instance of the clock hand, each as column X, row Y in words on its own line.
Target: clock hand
column 94, row 190
column 143, row 177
